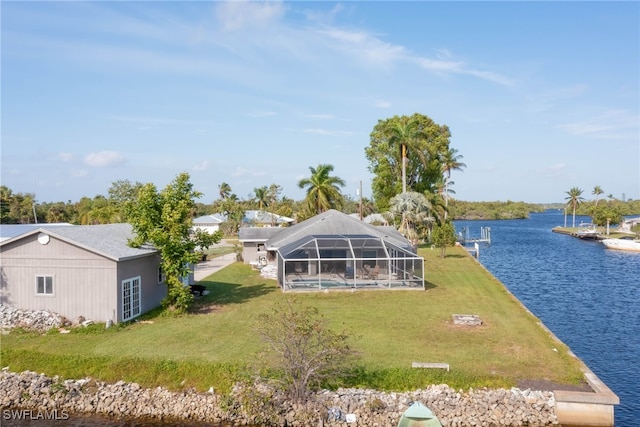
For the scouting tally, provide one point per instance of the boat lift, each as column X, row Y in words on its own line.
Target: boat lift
column 464, row 237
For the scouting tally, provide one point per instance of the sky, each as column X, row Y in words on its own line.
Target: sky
column 540, row 97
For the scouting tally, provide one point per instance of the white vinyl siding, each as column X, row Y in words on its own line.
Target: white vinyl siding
column 130, row 298
column 44, row 285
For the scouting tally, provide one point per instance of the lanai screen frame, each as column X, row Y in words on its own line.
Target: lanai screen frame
column 337, row 261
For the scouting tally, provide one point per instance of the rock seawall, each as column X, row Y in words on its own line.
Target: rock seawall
column 258, row 404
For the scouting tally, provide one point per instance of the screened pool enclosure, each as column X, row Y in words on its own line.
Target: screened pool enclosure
column 356, row 261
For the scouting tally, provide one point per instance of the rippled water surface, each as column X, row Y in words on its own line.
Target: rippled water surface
column 587, row 295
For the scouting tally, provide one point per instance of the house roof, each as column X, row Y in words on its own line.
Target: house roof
column 369, row 219
column 108, row 240
column 258, row 234
column 265, row 217
column 7, row 231
column 256, row 216
column 210, row 219
column 333, row 222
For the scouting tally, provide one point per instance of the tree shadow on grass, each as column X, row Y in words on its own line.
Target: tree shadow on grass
column 455, row 256
column 221, row 293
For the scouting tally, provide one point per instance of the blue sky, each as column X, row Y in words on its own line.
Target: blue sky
column 540, row 97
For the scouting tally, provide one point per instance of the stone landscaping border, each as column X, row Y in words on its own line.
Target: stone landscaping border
column 258, row 404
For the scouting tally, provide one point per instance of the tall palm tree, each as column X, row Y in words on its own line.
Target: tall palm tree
column 262, row 196
column 323, row 192
column 405, row 134
column 224, row 190
column 450, row 162
column 574, row 198
column 597, row 191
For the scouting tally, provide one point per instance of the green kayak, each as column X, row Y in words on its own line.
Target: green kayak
column 418, row 415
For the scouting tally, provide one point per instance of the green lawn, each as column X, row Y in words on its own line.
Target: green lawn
column 216, row 344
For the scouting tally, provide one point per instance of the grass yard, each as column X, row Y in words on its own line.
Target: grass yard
column 216, row 345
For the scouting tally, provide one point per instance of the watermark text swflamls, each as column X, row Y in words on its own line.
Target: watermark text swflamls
column 30, row 414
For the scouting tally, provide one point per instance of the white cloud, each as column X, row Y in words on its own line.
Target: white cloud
column 202, row 166
column 79, row 173
column 103, row 159
column 235, row 15
column 614, row 124
column 319, row 116
column 360, row 44
column 382, row 104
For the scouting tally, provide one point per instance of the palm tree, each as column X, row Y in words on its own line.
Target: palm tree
column 450, row 162
column 574, row 198
column 414, row 210
column 405, row 134
column 597, row 191
column 224, row 190
column 323, row 192
column 262, row 196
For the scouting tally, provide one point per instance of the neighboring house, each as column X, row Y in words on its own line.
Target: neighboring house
column 209, row 223
column 252, row 218
column 259, row 218
column 375, row 218
column 85, row 270
column 335, row 251
column 253, row 241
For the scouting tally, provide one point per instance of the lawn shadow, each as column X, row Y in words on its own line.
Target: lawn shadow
column 428, row 285
column 455, row 256
column 221, row 293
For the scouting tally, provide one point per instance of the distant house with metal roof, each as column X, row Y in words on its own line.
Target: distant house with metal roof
column 251, row 218
column 333, row 250
column 87, row 270
column 209, row 223
column 258, row 218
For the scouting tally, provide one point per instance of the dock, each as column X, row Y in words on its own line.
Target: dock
column 580, row 234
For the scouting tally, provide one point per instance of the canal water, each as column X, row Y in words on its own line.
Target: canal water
column 587, row 295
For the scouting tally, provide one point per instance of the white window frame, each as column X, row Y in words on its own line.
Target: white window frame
column 131, row 298
column 44, row 277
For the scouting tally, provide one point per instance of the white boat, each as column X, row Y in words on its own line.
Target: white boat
column 625, row 243
column 587, row 231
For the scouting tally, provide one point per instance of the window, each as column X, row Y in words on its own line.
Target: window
column 130, row 298
column 44, row 285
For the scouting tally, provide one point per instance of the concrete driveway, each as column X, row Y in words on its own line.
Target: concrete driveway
column 205, row 268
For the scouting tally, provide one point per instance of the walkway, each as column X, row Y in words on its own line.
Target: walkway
column 205, row 268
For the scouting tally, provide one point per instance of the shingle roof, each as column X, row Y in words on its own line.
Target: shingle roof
column 258, row 234
column 8, row 231
column 333, row 222
column 109, row 240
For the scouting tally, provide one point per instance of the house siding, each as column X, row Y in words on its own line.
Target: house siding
column 85, row 283
column 146, row 268
column 80, row 279
column 251, row 253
